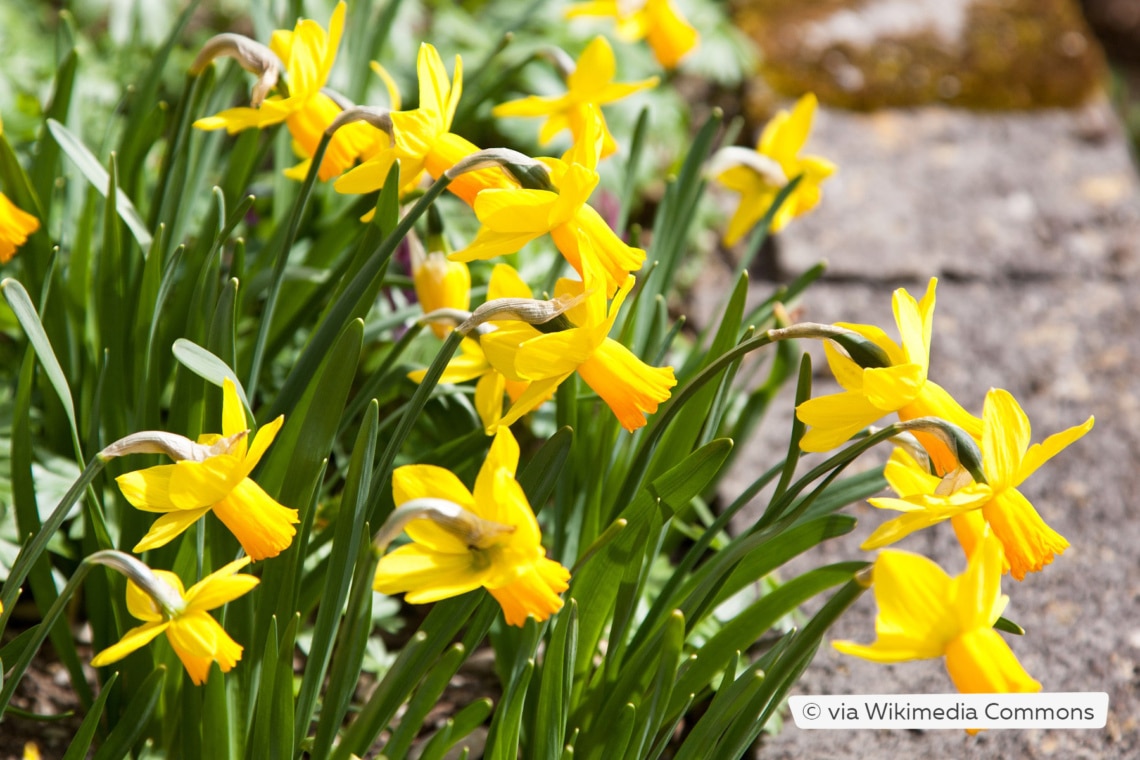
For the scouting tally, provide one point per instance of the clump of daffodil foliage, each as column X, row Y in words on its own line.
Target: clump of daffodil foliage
column 346, row 317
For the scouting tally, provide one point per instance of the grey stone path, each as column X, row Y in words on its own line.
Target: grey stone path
column 1032, row 223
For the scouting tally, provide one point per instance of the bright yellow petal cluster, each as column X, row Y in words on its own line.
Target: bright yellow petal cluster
column 195, row 636
column 424, row 141
column 1008, row 460
column 511, row 218
column 15, row 226
column 512, row 566
column 185, row 491
column 590, row 84
column 308, row 53
column 658, row 22
column 780, row 142
column 874, row 392
column 472, row 363
column 630, row 387
column 924, row 613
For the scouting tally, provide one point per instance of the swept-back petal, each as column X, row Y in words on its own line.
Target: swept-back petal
column 194, row 485
column 136, row 638
column 426, row 575
column 892, row 388
column 976, row 594
column 516, row 210
column 221, row 586
column 149, row 489
column 427, row 481
column 535, row 394
column 505, row 282
column 233, row 416
column 265, row 435
column 980, row 662
column 912, row 593
column 913, row 327
column 668, row 33
column 168, row 527
column 1040, row 453
column 1005, row 438
column 834, row 419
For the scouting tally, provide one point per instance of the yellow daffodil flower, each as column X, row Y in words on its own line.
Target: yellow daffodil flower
column 195, row 636
column 924, row 614
column 472, row 363
column 439, row 283
column 424, row 141
column 658, row 22
column 15, row 226
column 308, row 53
column 215, row 480
column 1007, row 460
column 512, row 218
column 508, row 560
column 591, row 83
column 759, row 175
column 873, row 392
column 629, row 386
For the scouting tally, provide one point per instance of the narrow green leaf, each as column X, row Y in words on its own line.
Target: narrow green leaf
column 556, row 685
column 263, row 697
column 352, row 638
column 81, row 744
column 747, row 627
column 425, row 698
column 25, row 312
column 456, row 729
column 338, row 575
column 538, row 476
column 90, row 167
column 207, row 366
column 46, row 163
column 140, row 708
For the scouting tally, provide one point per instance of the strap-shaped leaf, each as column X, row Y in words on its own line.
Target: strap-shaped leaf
column 90, row 168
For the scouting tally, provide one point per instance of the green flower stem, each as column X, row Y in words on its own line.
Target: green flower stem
column 53, row 614
column 32, row 551
column 282, row 259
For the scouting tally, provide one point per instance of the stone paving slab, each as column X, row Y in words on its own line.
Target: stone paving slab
column 1034, row 229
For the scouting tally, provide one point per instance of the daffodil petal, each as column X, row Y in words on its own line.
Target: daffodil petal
column 425, row 575
column 981, row 662
column 211, row 593
column 1040, row 453
column 168, row 527
column 134, row 639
